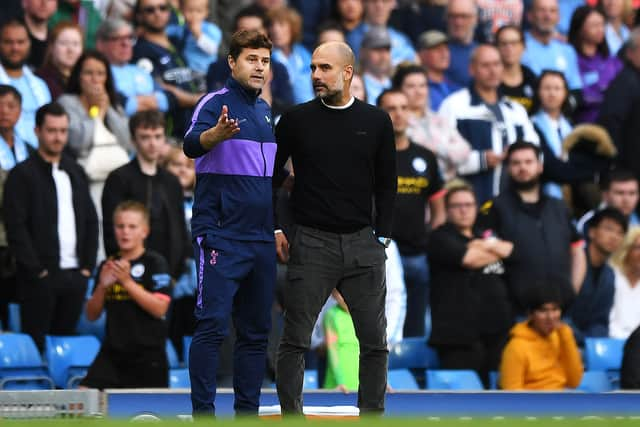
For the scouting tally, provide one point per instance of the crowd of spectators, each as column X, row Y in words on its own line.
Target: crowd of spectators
column 518, row 163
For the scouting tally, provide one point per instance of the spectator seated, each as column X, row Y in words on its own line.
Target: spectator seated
column 21, row 366
column 453, row 380
column 603, row 354
column 69, row 358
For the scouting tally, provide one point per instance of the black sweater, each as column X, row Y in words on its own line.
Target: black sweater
column 344, row 161
column 30, row 213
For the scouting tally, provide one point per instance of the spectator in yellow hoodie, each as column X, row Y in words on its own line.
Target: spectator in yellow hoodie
column 542, row 353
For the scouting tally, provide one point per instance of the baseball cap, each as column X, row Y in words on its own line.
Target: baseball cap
column 376, row 38
column 431, row 38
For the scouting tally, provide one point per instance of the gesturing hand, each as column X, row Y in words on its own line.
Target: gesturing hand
column 224, row 129
column 122, row 270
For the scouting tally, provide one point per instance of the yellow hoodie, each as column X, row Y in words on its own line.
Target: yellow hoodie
column 533, row 362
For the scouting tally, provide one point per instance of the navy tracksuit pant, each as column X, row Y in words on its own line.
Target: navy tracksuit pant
column 236, row 280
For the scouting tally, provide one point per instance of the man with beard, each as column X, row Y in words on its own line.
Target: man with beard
column 339, row 237
column 157, row 54
column 36, row 15
column 546, row 246
column 14, row 52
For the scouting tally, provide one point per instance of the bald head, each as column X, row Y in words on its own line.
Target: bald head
column 331, row 72
column 486, row 67
column 339, row 51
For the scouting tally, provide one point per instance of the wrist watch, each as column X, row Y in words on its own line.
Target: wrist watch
column 384, row 241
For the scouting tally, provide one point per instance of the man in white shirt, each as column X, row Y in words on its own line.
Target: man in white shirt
column 52, row 229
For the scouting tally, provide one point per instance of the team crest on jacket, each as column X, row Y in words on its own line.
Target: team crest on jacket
column 137, row 270
column 419, row 164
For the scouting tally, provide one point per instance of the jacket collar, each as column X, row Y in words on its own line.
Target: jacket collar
column 475, row 96
column 249, row 95
column 64, row 164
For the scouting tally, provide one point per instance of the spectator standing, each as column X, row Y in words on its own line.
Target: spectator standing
column 13, row 150
column 426, row 127
column 376, row 15
column 621, row 107
column 625, row 316
column 52, row 230
column 36, row 15
column 375, row 61
column 435, row 57
column 542, row 353
column 81, row 12
column 155, row 53
column 197, row 39
column 620, row 190
column 134, row 86
column 470, row 307
column 134, row 288
column 143, row 180
column 14, row 53
column 597, row 67
column 546, row 246
column 285, row 29
column 616, row 32
column 419, row 191
column 543, row 50
column 518, row 81
column 588, row 314
column 462, row 19
column 489, row 122
column 62, row 53
column 337, row 237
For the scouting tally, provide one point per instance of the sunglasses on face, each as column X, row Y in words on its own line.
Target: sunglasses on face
column 149, row 10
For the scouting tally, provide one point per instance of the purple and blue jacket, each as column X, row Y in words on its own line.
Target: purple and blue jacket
column 233, row 198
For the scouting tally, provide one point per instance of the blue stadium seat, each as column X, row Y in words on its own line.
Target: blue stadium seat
column 401, row 379
column 595, row 382
column 14, row 318
column 172, row 355
column 69, row 358
column 310, row 379
column 186, row 344
column 21, row 366
column 412, row 353
column 453, row 380
column 95, row 328
column 179, row 378
column 494, row 380
column 603, row 354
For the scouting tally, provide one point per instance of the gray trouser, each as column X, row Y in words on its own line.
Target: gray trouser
column 354, row 264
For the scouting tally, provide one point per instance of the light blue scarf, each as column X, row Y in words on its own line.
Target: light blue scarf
column 550, row 133
column 39, row 94
column 7, row 159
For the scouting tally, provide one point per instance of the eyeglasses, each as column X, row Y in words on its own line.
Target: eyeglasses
column 124, row 38
column 462, row 205
column 149, row 10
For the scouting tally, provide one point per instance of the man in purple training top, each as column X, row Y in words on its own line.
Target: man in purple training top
column 231, row 138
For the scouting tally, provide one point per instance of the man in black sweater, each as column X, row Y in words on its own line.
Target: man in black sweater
column 343, row 155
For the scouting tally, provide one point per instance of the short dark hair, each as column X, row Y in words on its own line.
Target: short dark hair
column 73, row 85
column 134, row 206
column 13, row 22
column 403, row 71
column 537, row 102
column 147, row 119
column 543, row 292
column 522, row 145
column 610, row 213
column 616, row 175
column 249, row 12
column 386, row 92
column 507, row 27
column 50, row 109
column 251, row 39
column 10, row 90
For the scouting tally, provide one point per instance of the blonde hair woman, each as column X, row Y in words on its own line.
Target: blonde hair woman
column 625, row 316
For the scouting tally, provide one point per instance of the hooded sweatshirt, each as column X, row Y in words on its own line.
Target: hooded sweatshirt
column 531, row 361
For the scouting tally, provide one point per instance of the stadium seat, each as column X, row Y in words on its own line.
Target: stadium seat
column 453, row 380
column 494, row 380
column 172, row 356
column 603, row 354
column 14, row 318
column 179, row 378
column 595, row 382
column 21, row 366
column 310, row 379
column 401, row 379
column 186, row 344
column 95, row 328
column 70, row 357
column 412, row 353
